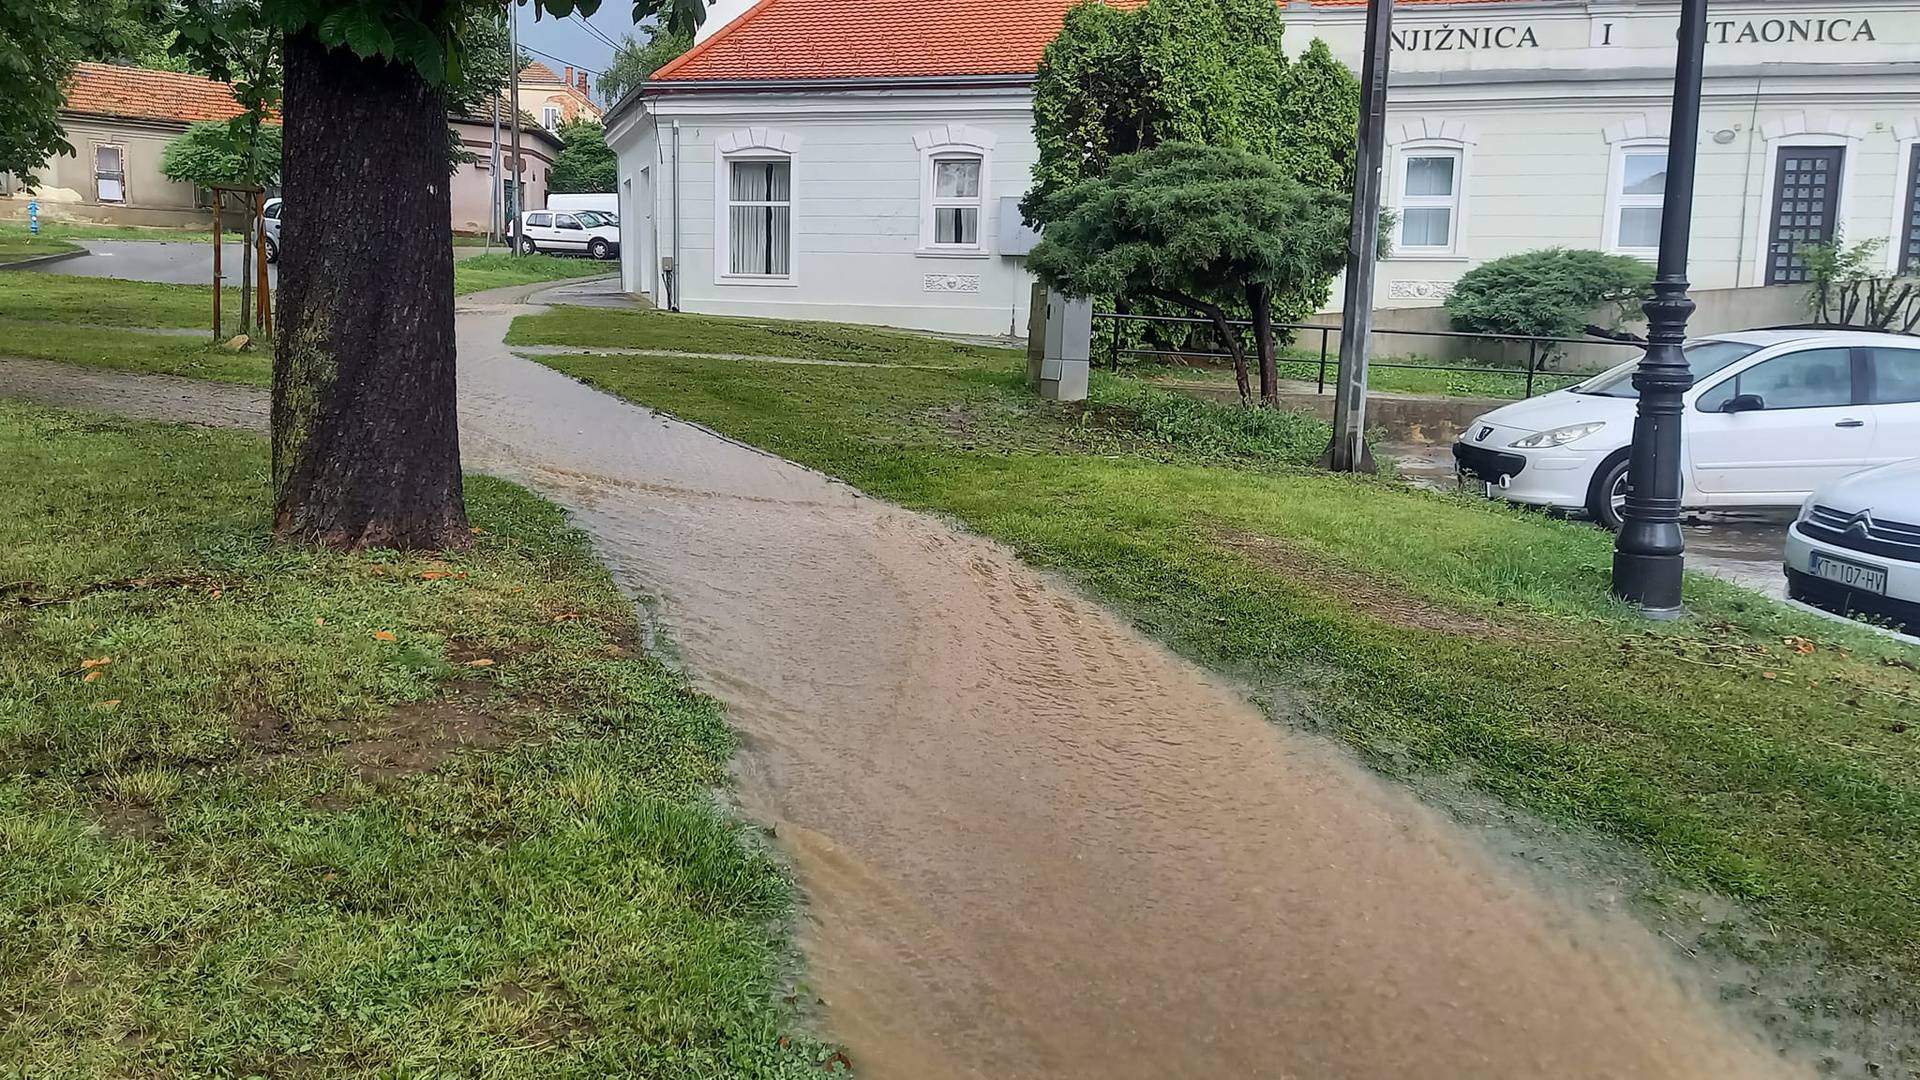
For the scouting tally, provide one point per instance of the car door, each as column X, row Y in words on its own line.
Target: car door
column 540, row 227
column 568, row 233
column 1893, row 389
column 1775, row 430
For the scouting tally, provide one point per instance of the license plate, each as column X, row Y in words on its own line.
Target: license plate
column 1872, row 579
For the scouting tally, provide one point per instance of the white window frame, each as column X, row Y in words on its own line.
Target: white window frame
column 953, row 142
column 1618, row 200
column 550, row 117
column 754, row 144
column 1906, row 136
column 1456, row 203
column 120, row 151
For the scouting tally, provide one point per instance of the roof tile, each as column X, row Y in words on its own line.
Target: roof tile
column 141, row 93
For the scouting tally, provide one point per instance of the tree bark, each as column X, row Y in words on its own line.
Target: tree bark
column 366, row 441
column 1228, row 336
column 1260, row 299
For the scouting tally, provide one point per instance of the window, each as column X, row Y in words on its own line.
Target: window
column 760, row 217
column 955, row 201
column 540, row 221
column 1429, row 201
column 566, row 221
column 550, row 117
column 1895, row 375
column 1639, row 188
column 109, row 174
column 1813, row 379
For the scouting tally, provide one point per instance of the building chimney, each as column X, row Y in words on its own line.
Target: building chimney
column 583, row 85
column 569, row 81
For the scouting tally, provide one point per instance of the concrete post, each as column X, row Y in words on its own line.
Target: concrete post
column 1069, row 348
column 1036, row 335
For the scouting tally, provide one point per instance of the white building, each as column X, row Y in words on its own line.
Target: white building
column 822, row 160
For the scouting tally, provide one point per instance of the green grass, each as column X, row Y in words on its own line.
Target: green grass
column 239, row 834
column 14, row 247
column 1748, row 749
column 150, row 354
column 677, row 332
column 483, row 272
column 68, row 298
column 1480, row 383
column 83, row 230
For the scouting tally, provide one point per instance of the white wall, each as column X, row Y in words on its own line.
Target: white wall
column 857, row 178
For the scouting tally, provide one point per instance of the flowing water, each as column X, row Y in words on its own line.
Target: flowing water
column 1032, row 842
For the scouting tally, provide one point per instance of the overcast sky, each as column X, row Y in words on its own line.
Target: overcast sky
column 560, row 42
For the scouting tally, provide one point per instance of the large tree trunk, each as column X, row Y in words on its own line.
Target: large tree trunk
column 1260, row 299
column 366, row 440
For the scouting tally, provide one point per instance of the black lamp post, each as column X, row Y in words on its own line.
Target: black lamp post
column 1650, row 553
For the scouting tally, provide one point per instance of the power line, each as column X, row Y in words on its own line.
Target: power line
column 560, row 60
column 596, row 32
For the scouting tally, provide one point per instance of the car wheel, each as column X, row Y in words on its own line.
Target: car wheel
column 1607, row 494
column 600, row 250
column 273, row 251
column 527, row 245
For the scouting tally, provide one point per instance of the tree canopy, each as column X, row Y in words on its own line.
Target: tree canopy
column 1201, row 71
column 1201, row 227
column 213, row 152
column 1553, row 292
column 635, row 61
column 585, row 163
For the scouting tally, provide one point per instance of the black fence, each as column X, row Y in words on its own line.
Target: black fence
column 1539, row 349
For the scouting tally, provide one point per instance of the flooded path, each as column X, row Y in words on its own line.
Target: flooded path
column 1033, row 843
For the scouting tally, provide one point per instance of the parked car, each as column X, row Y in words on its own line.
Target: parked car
column 270, row 224
column 586, row 232
column 1772, row 415
column 1855, row 549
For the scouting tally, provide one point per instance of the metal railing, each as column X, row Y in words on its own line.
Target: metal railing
column 1531, row 372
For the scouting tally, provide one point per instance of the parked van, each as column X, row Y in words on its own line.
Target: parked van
column 607, row 203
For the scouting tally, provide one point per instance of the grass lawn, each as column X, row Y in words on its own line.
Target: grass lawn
column 269, row 811
column 1485, row 383
column 22, row 246
column 749, row 337
column 1747, row 750
column 483, row 272
column 82, row 230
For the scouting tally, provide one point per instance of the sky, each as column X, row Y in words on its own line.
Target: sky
column 560, row 42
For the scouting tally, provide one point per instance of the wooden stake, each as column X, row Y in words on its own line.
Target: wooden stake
column 216, row 266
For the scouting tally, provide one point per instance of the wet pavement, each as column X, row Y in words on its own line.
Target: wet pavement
column 1744, row 547
column 1031, row 841
column 173, row 262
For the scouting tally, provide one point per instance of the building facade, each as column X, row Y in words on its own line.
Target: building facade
column 472, row 185
column 556, row 99
column 814, row 162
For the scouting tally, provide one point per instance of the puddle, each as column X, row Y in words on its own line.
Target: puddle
column 1034, row 844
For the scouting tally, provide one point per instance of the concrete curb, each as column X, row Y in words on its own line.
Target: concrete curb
column 43, row 260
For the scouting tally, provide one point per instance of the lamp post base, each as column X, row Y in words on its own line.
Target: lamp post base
column 1650, row 582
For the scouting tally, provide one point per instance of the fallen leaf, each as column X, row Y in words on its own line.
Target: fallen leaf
column 108, row 705
column 482, row 662
column 89, row 665
column 383, row 635
column 1800, row 645
column 435, row 575
column 318, row 621
column 93, row 676
column 476, row 530
column 1769, row 675
column 215, row 593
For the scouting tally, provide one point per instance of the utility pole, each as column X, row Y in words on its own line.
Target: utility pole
column 1649, row 555
column 513, row 110
column 1349, row 452
column 494, row 207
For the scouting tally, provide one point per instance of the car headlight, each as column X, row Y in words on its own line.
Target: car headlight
column 1559, row 436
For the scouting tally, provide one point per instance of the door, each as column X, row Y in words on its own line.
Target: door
column 109, row 174
column 1893, row 388
column 568, row 233
column 540, row 228
column 1806, row 200
column 1910, row 229
column 1798, row 425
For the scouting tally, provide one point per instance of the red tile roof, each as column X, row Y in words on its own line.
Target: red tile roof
column 878, row 39
column 538, row 72
column 107, row 90
column 837, row 39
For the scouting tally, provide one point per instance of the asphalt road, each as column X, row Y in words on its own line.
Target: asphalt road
column 175, row 262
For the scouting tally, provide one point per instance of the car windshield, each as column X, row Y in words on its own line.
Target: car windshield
column 1704, row 357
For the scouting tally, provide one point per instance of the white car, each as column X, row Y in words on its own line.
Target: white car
column 1855, row 549
column 583, row 232
column 1772, row 415
column 270, row 224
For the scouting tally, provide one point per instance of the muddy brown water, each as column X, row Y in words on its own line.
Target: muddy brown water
column 1035, row 844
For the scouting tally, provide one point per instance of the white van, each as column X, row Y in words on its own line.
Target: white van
column 603, row 202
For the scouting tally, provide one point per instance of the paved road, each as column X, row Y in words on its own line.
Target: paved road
column 1032, row 842
column 174, row 262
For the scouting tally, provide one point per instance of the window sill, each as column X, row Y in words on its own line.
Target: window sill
column 952, row 253
column 748, row 279
column 1427, row 256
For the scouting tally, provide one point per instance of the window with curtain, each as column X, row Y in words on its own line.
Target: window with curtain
column 1429, row 200
column 956, row 201
column 760, row 217
column 109, row 174
column 1639, row 192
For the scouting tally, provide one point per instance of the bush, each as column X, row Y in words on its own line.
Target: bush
column 1550, row 293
